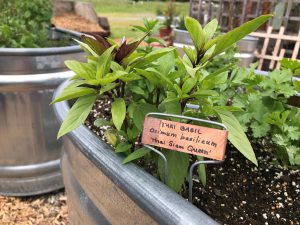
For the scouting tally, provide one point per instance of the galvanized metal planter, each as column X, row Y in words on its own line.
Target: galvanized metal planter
column 248, row 44
column 247, row 47
column 29, row 151
column 182, row 36
column 101, row 190
column 175, row 21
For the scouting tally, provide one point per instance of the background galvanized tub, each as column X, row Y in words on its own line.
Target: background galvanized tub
column 248, row 44
column 182, row 37
column 101, row 190
column 247, row 47
column 29, row 151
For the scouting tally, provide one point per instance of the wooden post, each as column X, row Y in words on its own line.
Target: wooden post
column 277, row 46
column 296, row 48
column 281, row 55
column 264, row 48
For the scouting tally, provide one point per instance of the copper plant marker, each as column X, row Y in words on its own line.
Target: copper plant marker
column 182, row 137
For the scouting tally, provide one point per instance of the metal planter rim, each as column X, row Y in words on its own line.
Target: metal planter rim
column 180, row 30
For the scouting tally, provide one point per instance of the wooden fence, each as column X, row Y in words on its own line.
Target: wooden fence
column 232, row 13
column 279, row 38
column 274, row 47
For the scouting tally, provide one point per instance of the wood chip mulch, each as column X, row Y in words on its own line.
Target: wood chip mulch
column 71, row 21
column 48, row 209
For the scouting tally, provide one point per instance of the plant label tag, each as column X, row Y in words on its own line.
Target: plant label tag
column 182, row 137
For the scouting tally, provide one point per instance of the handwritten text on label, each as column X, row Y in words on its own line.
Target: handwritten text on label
column 188, row 138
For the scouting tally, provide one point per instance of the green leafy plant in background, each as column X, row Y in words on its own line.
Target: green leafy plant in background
column 139, row 82
column 181, row 24
column 150, row 27
column 267, row 114
column 169, row 13
column 293, row 65
column 24, row 23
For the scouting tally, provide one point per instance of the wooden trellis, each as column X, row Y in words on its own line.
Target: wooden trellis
column 279, row 38
column 232, row 13
column 277, row 51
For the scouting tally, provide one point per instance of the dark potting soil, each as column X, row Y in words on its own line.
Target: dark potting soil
column 238, row 192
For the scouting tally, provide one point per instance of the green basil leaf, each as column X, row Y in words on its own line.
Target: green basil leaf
column 140, row 28
column 191, row 53
column 236, row 134
column 77, row 114
column 83, row 70
column 136, row 155
column 75, row 93
column 107, row 87
column 86, row 48
column 115, row 66
column 139, row 113
column 211, row 81
column 123, row 147
column 137, row 90
column 149, row 75
column 210, row 29
column 204, row 93
column 72, row 91
column 118, row 112
column 178, row 164
column 178, row 90
column 102, row 122
column 189, row 67
column 157, row 40
column 161, row 76
column 103, row 64
column 188, row 85
column 133, row 133
column 98, row 43
column 152, row 56
column 195, row 30
column 172, row 107
column 112, row 42
column 111, row 77
column 208, row 54
column 111, row 137
column 130, row 77
column 225, row 41
column 166, row 63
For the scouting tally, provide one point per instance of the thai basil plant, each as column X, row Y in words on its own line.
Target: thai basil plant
column 139, row 82
column 150, row 27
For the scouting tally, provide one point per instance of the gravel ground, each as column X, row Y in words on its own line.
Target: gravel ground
column 48, row 209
